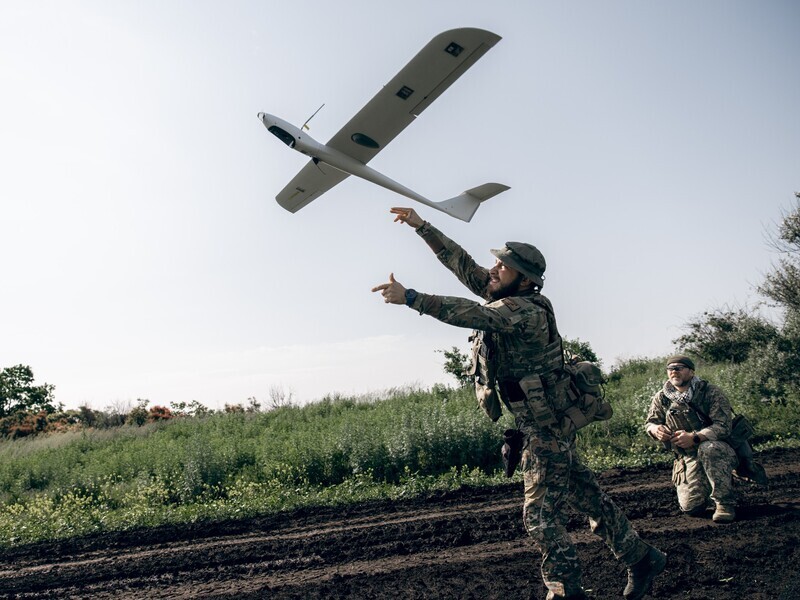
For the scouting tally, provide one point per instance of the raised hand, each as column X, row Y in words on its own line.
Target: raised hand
column 407, row 215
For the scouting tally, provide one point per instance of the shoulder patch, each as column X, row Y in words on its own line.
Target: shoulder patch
column 511, row 304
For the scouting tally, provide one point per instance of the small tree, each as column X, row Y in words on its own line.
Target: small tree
column 771, row 354
column 576, row 350
column 18, row 394
column 138, row 416
column 782, row 285
column 279, row 397
column 189, row 409
column 457, row 364
column 87, row 416
column 726, row 335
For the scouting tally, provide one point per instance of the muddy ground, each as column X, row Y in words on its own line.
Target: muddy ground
column 469, row 544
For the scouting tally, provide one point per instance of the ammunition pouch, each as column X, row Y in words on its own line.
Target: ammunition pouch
column 483, row 372
column 526, row 398
column 488, row 400
column 513, row 441
column 527, row 401
column 679, row 471
column 537, row 394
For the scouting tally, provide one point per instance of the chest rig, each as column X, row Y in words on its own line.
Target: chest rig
column 519, row 371
column 682, row 415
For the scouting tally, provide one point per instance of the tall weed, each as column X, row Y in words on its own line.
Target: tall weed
column 340, row 449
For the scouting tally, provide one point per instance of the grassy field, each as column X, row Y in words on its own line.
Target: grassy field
column 400, row 443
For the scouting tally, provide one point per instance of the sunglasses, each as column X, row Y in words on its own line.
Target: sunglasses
column 678, row 369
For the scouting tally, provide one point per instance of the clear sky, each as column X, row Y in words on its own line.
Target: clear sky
column 648, row 145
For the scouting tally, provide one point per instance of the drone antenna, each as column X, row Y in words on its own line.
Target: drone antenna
column 305, row 125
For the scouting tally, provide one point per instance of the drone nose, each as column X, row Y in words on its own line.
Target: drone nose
column 260, row 116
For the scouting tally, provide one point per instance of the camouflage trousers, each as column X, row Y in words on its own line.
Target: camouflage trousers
column 553, row 482
column 709, row 474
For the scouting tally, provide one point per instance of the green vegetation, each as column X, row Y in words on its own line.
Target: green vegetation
column 238, row 464
column 79, row 472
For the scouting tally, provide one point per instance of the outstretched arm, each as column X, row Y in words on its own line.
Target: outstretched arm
column 462, row 312
column 449, row 253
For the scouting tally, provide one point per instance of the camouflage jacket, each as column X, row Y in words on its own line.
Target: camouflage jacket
column 678, row 414
column 520, row 329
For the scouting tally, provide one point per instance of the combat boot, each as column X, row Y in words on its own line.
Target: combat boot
column 724, row 514
column 642, row 574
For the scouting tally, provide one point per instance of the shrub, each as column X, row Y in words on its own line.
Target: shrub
column 727, row 335
column 138, row 415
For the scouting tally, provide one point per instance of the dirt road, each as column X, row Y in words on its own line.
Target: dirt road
column 469, row 544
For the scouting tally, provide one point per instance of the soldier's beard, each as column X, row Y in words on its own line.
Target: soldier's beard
column 509, row 289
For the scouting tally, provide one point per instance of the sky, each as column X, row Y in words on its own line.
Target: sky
column 650, row 147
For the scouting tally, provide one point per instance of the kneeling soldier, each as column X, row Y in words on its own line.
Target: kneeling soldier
column 693, row 419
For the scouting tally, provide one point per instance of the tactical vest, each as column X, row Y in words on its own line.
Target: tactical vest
column 546, row 364
column 682, row 416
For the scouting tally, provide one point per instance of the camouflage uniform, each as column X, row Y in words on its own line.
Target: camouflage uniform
column 704, row 471
column 517, row 346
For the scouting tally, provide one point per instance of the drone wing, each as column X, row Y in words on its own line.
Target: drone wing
column 312, row 181
column 434, row 69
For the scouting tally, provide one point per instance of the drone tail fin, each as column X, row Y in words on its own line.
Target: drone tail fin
column 464, row 206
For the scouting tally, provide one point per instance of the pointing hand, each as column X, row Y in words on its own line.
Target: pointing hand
column 392, row 292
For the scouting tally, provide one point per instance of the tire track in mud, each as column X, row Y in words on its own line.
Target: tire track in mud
column 467, row 544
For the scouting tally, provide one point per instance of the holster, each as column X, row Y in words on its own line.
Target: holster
column 512, row 450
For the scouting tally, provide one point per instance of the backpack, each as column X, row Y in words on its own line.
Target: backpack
column 586, row 396
column 585, row 402
column 741, row 432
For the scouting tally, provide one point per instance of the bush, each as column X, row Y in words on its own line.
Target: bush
column 578, row 350
column 22, row 424
column 727, row 335
column 138, row 415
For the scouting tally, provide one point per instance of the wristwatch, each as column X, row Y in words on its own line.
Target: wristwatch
column 411, row 295
column 695, row 438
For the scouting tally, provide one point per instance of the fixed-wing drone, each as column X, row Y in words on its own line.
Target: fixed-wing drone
column 443, row 60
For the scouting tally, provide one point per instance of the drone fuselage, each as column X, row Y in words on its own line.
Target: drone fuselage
column 295, row 138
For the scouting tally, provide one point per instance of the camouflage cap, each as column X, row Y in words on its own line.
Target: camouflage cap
column 525, row 258
column 680, row 359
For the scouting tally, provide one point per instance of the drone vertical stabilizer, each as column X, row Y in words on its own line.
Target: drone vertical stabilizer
column 464, row 206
